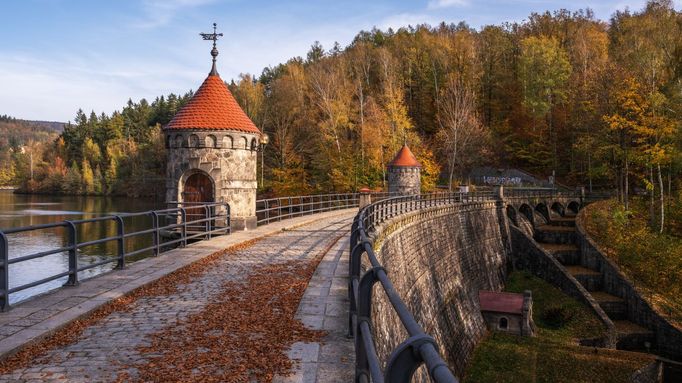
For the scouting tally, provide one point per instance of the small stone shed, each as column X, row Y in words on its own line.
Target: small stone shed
column 508, row 312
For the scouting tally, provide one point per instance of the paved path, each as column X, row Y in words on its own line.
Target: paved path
column 325, row 306
column 111, row 346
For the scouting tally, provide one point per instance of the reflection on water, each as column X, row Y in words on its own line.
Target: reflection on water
column 27, row 210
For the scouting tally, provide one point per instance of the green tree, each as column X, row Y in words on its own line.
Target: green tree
column 545, row 70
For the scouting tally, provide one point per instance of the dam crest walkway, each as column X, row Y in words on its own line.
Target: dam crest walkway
column 198, row 313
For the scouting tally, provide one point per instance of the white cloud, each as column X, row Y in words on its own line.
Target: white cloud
column 438, row 4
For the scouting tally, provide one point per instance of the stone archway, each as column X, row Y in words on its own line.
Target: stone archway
column 198, row 187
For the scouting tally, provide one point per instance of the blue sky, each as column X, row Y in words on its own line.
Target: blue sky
column 60, row 55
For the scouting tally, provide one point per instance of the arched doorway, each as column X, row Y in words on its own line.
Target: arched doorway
column 198, row 190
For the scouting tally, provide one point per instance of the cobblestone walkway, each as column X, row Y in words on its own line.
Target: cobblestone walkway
column 110, row 347
column 324, row 306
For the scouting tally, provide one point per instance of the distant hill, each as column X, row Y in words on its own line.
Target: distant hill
column 53, row 125
column 16, row 133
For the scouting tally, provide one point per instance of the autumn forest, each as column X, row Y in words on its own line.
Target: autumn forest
column 597, row 102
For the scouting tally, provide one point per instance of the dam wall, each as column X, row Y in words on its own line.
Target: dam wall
column 438, row 259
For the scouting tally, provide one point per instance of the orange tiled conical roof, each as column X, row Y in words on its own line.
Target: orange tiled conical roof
column 212, row 107
column 405, row 158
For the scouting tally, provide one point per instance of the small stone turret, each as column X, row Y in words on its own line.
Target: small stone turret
column 404, row 173
column 212, row 150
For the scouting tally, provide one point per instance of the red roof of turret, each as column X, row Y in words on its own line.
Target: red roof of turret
column 405, row 158
column 212, row 107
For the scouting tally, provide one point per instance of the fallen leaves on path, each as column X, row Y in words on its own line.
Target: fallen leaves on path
column 70, row 333
column 242, row 335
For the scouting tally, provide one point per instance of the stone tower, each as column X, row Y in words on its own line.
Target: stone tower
column 212, row 151
column 404, row 173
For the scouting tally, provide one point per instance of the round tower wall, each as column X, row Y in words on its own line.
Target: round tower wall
column 404, row 180
column 229, row 158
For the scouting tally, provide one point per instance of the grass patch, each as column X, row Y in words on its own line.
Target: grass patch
column 652, row 261
column 559, row 318
column 551, row 356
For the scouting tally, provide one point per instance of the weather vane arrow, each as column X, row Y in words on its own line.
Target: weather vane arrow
column 214, row 52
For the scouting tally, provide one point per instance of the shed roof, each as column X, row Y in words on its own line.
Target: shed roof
column 500, row 302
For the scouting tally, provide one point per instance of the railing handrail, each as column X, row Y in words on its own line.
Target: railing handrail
column 279, row 208
column 419, row 348
column 205, row 226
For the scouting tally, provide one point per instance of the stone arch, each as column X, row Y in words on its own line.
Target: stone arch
column 210, row 141
column 187, row 175
column 193, row 141
column 527, row 211
column 227, row 142
column 511, row 214
column 574, row 207
column 254, row 144
column 245, row 143
column 542, row 210
column 557, row 208
column 178, row 141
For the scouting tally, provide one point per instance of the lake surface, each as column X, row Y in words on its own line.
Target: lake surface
column 25, row 210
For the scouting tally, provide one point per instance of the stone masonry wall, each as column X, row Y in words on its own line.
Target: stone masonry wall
column 438, row 259
column 668, row 337
column 404, row 180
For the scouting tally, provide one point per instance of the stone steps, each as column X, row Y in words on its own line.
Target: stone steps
column 568, row 221
column 559, row 238
column 566, row 254
column 615, row 307
column 590, row 279
column 633, row 337
column 555, row 234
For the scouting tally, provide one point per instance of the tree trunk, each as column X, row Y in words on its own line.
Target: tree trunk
column 662, row 199
column 626, row 188
column 652, row 195
column 589, row 169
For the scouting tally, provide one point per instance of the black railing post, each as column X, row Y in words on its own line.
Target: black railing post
column 207, row 222
column 155, row 235
column 73, row 254
column 228, row 221
column 120, row 239
column 364, row 312
column 4, row 273
column 183, row 228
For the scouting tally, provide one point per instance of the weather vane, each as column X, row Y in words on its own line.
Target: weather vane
column 214, row 52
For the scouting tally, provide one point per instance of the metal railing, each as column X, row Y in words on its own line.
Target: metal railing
column 169, row 227
column 277, row 209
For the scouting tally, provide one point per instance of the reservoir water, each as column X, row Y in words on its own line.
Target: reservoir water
column 18, row 210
